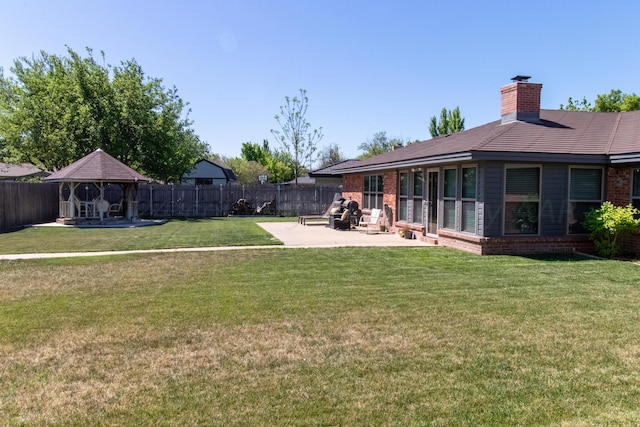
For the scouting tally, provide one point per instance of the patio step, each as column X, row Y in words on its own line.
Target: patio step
column 430, row 240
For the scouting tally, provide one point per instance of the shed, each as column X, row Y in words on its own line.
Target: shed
column 97, row 169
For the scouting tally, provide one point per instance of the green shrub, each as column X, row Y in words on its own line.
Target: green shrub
column 609, row 222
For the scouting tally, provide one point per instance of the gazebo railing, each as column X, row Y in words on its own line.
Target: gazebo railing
column 82, row 209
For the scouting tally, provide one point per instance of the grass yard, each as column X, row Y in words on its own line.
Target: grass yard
column 344, row 336
column 174, row 234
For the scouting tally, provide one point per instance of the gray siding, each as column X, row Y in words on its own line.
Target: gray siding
column 553, row 199
column 491, row 198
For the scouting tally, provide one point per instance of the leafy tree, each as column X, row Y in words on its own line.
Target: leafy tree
column 256, row 152
column 330, row 155
column 246, row 171
column 295, row 134
column 57, row 109
column 379, row 144
column 279, row 167
column 609, row 222
column 278, row 163
column 572, row 105
column 450, row 122
column 614, row 101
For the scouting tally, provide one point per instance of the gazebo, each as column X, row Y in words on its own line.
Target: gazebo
column 96, row 169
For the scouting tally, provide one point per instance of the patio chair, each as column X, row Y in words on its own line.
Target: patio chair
column 373, row 224
column 101, row 207
column 115, row 208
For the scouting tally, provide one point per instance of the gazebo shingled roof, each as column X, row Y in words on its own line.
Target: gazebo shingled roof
column 96, row 167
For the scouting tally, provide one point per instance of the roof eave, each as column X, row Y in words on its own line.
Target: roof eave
column 448, row 158
column 497, row 156
column 624, row 158
column 89, row 181
column 505, row 156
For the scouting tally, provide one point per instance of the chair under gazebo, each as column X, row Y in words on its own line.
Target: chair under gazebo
column 97, row 169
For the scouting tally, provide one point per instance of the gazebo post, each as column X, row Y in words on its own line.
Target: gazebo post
column 61, row 201
column 72, row 199
column 101, row 204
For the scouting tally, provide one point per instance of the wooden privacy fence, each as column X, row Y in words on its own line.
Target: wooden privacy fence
column 205, row 201
column 23, row 203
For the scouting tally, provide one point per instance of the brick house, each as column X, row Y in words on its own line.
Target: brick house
column 518, row 185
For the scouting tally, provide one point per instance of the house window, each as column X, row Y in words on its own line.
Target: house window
column 410, row 191
column 403, row 193
column 521, row 200
column 373, row 190
column 449, row 198
column 418, row 184
column 469, row 186
column 204, row 181
column 585, row 193
column 635, row 194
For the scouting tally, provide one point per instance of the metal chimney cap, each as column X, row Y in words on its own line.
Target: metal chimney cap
column 520, row 78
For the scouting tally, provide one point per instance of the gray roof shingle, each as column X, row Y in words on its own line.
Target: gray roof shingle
column 558, row 132
column 97, row 166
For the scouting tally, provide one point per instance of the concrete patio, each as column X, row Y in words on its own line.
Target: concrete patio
column 294, row 234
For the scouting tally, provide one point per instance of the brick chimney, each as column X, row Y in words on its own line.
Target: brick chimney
column 521, row 101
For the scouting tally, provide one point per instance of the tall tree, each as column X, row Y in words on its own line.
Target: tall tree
column 574, row 105
column 379, row 144
column 246, row 171
column 295, row 134
column 614, row 101
column 256, row 152
column 57, row 109
column 330, row 155
column 278, row 163
column 450, row 122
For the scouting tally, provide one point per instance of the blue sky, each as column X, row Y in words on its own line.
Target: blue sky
column 367, row 66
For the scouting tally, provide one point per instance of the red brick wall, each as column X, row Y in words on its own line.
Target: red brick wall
column 514, row 245
column 619, row 186
column 521, row 97
column 631, row 244
column 619, row 182
column 389, row 197
column 352, row 187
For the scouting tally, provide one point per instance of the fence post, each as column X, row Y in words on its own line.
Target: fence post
column 220, row 202
column 151, row 201
column 197, row 188
column 278, row 201
column 172, row 202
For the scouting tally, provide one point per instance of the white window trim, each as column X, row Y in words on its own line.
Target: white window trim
column 456, row 211
column 412, row 193
column 375, row 193
column 405, row 197
column 466, row 199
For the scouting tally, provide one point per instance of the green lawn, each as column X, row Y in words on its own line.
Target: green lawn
column 174, row 234
column 344, row 336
